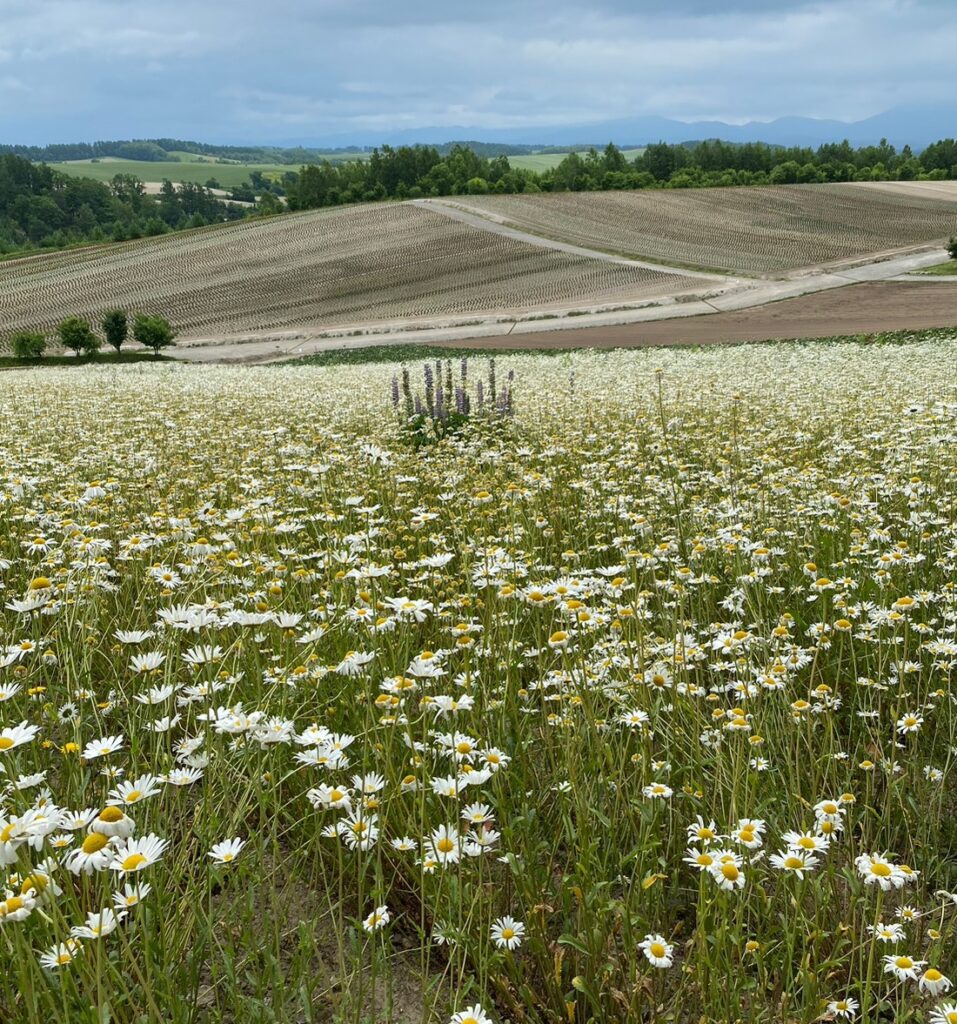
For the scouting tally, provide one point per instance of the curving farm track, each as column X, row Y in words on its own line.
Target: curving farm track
column 770, row 231
column 376, row 262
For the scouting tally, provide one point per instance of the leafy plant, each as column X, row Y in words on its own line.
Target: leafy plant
column 28, row 344
column 116, row 327
column 76, row 334
column 152, row 331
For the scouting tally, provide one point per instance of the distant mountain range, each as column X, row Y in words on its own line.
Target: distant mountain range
column 913, row 126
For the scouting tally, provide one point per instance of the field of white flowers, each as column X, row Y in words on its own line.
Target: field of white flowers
column 635, row 704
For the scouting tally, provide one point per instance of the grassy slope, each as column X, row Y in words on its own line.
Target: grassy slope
column 199, row 171
column 944, row 269
column 418, row 352
column 545, row 161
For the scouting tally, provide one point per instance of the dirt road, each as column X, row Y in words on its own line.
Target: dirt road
column 857, row 309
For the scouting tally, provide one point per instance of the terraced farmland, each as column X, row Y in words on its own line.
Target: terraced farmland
column 767, row 230
column 347, row 265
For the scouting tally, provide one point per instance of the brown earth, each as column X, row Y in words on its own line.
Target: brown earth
column 857, row 309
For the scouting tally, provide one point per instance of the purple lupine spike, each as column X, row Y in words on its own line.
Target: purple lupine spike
column 440, row 403
column 429, row 389
column 395, row 392
column 460, row 401
column 480, row 394
column 418, row 406
column 407, row 392
column 465, row 369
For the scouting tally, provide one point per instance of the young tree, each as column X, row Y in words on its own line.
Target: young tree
column 152, row 331
column 28, row 344
column 952, row 247
column 115, row 327
column 78, row 335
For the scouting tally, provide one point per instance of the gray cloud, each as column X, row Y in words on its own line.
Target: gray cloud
column 305, row 69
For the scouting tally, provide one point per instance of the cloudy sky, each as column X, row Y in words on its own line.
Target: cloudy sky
column 303, row 70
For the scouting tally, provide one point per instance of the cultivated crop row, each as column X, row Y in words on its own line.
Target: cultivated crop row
column 747, row 230
column 343, row 265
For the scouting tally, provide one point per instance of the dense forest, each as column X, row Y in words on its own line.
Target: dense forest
column 40, row 207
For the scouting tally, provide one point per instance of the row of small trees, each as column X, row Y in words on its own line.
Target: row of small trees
column 77, row 335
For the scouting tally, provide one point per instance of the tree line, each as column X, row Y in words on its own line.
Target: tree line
column 410, row 172
column 43, row 208
column 77, row 334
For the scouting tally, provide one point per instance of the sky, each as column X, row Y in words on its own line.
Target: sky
column 236, row 71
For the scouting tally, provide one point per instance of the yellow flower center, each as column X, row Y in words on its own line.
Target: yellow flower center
column 806, row 843
column 134, row 861
column 445, row 845
column 730, row 871
column 111, row 815
column 932, row 974
column 881, row 870
column 5, row 743
column 509, row 933
column 793, row 862
column 657, row 950
column 94, row 842
column 904, row 963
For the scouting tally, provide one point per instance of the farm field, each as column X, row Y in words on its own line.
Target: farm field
column 860, row 309
column 350, row 264
column 199, row 170
column 766, row 230
column 195, row 171
column 614, row 687
column 546, row 161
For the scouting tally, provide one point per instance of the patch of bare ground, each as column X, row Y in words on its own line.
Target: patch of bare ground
column 857, row 309
column 300, row 934
column 767, row 230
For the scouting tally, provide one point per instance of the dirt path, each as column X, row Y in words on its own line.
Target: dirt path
column 857, row 309
column 485, row 221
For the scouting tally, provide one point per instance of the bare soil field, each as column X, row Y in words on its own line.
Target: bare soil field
column 381, row 261
column 762, row 231
column 858, row 309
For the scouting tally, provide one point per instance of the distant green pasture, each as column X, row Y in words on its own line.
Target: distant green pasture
column 197, row 171
column 545, row 161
